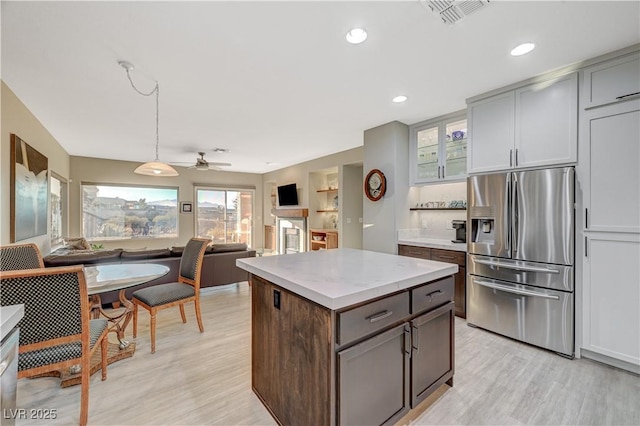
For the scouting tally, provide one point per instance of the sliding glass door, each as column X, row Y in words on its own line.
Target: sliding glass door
column 225, row 215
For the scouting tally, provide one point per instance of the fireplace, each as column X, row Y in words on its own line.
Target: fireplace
column 291, row 236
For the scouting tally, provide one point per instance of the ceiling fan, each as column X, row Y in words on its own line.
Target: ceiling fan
column 202, row 164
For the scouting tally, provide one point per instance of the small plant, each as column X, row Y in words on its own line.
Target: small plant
column 97, row 246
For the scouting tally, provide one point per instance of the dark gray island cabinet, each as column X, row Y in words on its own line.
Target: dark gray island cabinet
column 359, row 343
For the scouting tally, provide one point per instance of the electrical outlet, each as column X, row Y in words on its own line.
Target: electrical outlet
column 348, row 220
column 360, row 219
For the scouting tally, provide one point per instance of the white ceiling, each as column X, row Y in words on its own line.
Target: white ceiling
column 276, row 81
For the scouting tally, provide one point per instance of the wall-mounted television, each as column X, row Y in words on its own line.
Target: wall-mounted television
column 288, row 195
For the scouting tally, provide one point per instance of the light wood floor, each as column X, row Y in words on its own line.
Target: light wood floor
column 205, row 379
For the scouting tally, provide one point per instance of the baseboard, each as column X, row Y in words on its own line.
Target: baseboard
column 623, row 365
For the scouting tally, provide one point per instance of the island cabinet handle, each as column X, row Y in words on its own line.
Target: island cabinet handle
column 415, row 339
column 380, row 315
column 433, row 294
column 407, row 340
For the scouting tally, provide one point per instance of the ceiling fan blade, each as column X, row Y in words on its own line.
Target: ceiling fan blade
column 212, row 163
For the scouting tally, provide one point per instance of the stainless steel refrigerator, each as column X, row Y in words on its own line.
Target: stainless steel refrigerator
column 520, row 244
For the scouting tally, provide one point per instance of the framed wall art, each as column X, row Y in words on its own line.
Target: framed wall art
column 29, row 192
column 186, row 207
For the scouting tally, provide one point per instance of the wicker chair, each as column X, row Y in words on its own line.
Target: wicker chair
column 20, row 256
column 164, row 296
column 56, row 331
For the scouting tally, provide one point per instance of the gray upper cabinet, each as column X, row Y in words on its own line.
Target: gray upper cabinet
column 612, row 81
column 531, row 126
column 439, row 149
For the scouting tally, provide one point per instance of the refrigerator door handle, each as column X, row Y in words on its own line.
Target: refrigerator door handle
column 515, row 213
column 521, row 292
column 516, row 267
column 511, row 158
column 507, row 233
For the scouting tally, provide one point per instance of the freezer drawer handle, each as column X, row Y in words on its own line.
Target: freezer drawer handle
column 3, row 366
column 515, row 290
column 380, row 315
column 517, row 267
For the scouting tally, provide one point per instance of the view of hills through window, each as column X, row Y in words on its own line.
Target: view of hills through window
column 224, row 216
column 112, row 212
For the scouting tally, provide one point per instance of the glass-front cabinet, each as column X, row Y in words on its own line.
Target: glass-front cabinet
column 439, row 149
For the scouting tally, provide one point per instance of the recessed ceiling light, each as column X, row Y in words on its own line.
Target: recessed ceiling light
column 399, row 99
column 356, row 36
column 522, row 49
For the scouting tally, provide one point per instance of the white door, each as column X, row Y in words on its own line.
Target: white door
column 612, row 296
column 491, row 133
column 546, row 128
column 612, row 193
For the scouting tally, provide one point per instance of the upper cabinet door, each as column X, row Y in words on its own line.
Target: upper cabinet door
column 454, row 153
column 547, row 123
column 439, row 149
column 612, row 81
column 491, row 132
column 427, row 154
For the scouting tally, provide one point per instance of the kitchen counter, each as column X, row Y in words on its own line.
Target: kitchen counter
column 342, row 277
column 432, row 243
column 9, row 318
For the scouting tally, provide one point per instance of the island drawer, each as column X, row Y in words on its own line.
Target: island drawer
column 369, row 318
column 432, row 295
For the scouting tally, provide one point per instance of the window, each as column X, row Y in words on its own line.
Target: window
column 224, row 215
column 111, row 212
column 58, row 196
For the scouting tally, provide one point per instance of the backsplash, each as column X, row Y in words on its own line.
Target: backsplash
column 437, row 223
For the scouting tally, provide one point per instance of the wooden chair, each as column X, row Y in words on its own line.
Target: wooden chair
column 20, row 256
column 56, row 331
column 164, row 296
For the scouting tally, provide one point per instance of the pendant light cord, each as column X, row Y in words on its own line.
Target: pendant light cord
column 155, row 90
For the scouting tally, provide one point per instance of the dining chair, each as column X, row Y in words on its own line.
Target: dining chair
column 20, row 256
column 56, row 331
column 164, row 296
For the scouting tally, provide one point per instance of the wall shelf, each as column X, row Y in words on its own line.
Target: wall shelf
column 327, row 211
column 327, row 190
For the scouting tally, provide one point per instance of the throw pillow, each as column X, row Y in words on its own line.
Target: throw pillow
column 76, row 243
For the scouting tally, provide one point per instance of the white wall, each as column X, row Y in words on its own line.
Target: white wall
column 387, row 148
column 437, row 224
column 17, row 119
column 351, row 205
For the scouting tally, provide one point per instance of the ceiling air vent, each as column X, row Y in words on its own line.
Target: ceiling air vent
column 451, row 11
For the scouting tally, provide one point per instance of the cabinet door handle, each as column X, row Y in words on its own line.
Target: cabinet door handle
column 442, row 172
column 407, row 340
column 438, row 172
column 380, row 315
column 442, row 256
column 586, row 218
column 586, row 245
column 415, row 339
column 628, row 96
column 433, row 294
column 511, row 158
column 516, row 157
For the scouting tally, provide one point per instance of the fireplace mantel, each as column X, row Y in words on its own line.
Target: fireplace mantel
column 295, row 212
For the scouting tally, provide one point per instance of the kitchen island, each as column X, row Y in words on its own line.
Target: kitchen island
column 349, row 336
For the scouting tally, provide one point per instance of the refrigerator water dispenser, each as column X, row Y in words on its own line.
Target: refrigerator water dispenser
column 482, row 230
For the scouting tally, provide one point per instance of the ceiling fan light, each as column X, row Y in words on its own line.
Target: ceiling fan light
column 155, row 168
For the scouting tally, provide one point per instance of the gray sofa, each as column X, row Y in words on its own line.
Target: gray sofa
column 219, row 266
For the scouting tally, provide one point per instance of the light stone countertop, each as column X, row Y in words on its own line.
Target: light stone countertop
column 9, row 317
column 342, row 277
column 432, row 243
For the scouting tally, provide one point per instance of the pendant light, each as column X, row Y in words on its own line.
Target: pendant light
column 155, row 167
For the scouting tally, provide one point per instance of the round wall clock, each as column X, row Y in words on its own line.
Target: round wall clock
column 375, row 185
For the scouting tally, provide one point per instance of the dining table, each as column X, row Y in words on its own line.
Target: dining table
column 104, row 278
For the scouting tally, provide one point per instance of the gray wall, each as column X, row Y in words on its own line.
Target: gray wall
column 386, row 148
